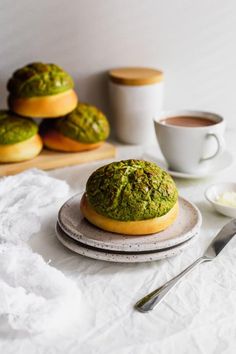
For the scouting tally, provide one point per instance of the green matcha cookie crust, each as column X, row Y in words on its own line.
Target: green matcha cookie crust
column 131, row 190
column 85, row 124
column 41, row 90
column 14, row 129
column 84, row 128
column 19, row 139
column 39, row 79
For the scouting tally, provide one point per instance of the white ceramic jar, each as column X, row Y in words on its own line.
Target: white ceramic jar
column 136, row 97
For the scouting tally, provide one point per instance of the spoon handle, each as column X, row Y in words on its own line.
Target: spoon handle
column 148, row 302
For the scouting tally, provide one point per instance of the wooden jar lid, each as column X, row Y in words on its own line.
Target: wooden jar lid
column 135, row 76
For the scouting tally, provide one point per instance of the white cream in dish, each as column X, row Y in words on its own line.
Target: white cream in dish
column 227, row 198
column 222, row 197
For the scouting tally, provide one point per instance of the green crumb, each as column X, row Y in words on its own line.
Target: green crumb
column 131, row 190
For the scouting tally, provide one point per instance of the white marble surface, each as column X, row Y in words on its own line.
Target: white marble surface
column 197, row 317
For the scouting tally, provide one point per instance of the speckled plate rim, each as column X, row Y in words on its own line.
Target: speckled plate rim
column 127, row 243
column 117, row 257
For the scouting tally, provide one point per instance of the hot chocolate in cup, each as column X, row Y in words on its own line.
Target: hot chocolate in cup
column 190, row 140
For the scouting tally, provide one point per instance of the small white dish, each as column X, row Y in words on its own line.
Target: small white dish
column 73, row 223
column 221, row 163
column 215, row 191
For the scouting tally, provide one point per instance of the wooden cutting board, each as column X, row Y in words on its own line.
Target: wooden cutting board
column 48, row 160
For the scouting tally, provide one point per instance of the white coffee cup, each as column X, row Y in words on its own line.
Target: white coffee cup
column 190, row 149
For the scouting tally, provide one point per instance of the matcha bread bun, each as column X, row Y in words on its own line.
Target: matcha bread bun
column 85, row 128
column 41, row 90
column 19, row 139
column 132, row 197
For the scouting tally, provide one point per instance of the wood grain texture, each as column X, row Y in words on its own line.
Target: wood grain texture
column 48, row 160
column 135, row 76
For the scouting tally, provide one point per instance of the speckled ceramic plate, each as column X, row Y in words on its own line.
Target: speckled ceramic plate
column 76, row 226
column 120, row 257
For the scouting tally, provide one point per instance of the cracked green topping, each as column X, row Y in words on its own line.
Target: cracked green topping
column 14, row 129
column 85, row 124
column 38, row 79
column 131, row 190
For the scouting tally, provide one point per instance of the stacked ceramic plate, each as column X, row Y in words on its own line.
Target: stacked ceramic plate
column 77, row 234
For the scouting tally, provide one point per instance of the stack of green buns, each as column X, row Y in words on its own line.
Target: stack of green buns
column 41, row 90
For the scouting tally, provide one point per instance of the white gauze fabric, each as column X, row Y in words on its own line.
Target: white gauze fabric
column 34, row 296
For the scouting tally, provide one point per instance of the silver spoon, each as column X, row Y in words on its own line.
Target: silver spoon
column 148, row 302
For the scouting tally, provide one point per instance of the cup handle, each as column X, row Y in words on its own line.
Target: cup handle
column 220, row 146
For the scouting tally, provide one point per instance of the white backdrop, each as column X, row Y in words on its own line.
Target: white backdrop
column 192, row 41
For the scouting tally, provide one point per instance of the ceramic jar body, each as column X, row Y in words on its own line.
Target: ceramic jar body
column 133, row 109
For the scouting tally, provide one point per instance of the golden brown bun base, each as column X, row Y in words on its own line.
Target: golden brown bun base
column 132, row 228
column 22, row 151
column 52, row 106
column 56, row 141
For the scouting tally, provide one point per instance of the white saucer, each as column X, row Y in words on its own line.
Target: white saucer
column 114, row 256
column 73, row 223
column 219, row 164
